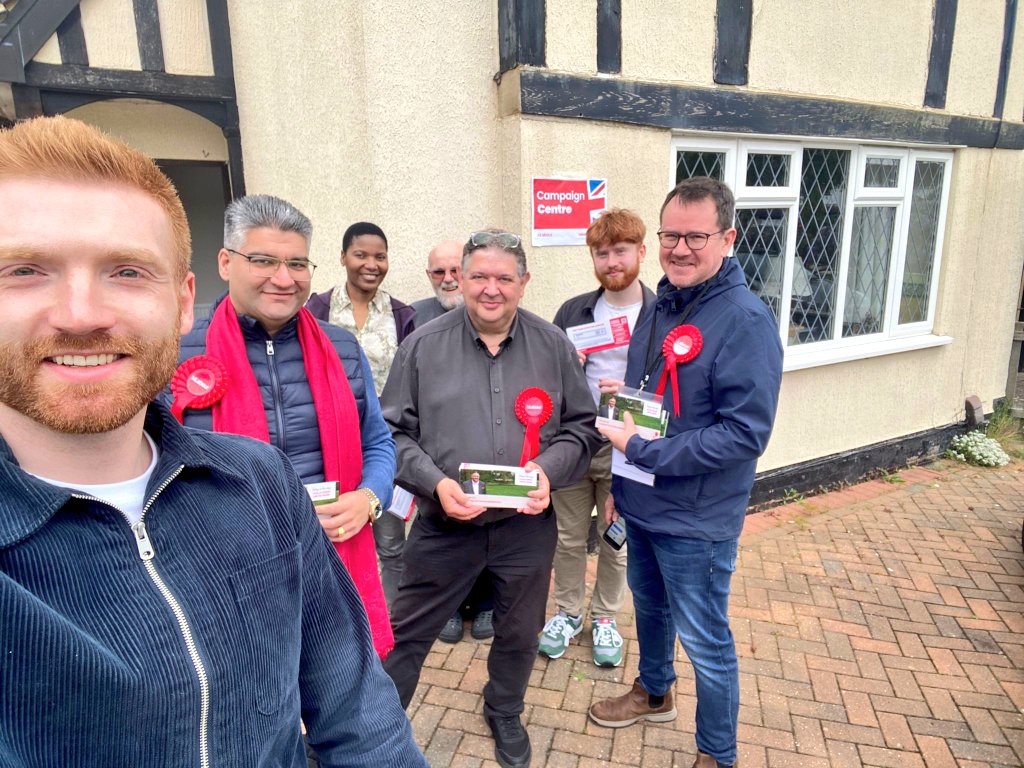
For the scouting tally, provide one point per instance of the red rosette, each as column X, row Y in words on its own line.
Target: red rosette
column 199, row 382
column 682, row 344
column 533, row 408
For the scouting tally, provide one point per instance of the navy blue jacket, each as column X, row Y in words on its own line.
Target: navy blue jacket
column 288, row 401
column 705, row 464
column 95, row 636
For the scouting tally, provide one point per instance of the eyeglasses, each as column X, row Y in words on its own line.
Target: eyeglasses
column 262, row 265
column 694, row 240
column 505, row 240
column 440, row 273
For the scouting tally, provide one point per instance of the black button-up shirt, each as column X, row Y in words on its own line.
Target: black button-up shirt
column 448, row 400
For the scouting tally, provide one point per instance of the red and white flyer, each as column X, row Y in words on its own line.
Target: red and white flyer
column 595, row 337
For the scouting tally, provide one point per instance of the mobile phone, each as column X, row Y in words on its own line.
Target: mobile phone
column 616, row 534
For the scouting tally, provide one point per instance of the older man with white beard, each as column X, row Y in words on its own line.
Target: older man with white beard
column 445, row 272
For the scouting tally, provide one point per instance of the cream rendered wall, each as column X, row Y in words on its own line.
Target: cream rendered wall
column 50, row 52
column 110, row 36
column 974, row 64
column 389, row 114
column 634, row 162
column 571, row 29
column 866, row 50
column 668, row 41
column 185, row 35
column 158, row 130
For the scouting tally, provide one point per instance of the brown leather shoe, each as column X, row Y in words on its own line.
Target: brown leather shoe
column 707, row 761
column 631, row 707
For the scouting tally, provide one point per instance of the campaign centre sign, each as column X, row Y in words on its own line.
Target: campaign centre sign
column 564, row 208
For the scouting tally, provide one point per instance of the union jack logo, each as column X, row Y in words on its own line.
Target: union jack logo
column 596, row 188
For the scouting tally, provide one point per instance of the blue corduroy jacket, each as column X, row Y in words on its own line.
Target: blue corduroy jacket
column 704, row 466
column 199, row 637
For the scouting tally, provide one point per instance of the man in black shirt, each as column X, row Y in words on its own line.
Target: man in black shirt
column 463, row 389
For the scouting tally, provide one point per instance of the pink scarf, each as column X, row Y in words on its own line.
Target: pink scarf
column 240, row 411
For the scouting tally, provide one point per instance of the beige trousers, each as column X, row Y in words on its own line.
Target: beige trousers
column 573, row 508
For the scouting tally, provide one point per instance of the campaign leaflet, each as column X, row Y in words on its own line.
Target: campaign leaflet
column 599, row 336
column 650, row 418
column 323, row 493
column 497, row 486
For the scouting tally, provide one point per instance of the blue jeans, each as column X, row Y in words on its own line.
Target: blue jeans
column 681, row 585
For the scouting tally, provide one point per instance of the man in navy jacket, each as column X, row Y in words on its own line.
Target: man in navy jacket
column 166, row 595
column 683, row 529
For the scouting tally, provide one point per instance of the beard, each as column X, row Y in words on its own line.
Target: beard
column 624, row 280
column 448, row 299
column 88, row 408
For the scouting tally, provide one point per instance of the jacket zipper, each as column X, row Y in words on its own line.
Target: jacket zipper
column 275, row 385
column 147, row 553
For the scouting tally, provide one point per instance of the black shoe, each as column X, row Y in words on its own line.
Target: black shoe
column 452, row 631
column 483, row 625
column 511, row 741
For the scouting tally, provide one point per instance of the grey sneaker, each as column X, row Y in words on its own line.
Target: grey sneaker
column 555, row 637
column 607, row 642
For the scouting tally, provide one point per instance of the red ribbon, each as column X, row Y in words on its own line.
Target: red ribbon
column 199, row 382
column 533, row 408
column 681, row 345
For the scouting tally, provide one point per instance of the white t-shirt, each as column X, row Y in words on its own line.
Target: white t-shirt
column 611, row 363
column 128, row 496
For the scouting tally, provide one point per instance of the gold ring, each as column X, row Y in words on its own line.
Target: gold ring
column 341, row 531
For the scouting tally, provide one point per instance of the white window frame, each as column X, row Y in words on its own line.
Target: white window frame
column 893, row 337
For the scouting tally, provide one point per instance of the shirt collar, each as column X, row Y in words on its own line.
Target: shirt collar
column 476, row 336
column 379, row 304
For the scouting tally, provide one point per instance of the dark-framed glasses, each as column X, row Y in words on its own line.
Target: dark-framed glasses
column 439, row 273
column 262, row 265
column 694, row 240
column 504, row 240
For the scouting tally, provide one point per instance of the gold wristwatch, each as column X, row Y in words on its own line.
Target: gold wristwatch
column 376, row 510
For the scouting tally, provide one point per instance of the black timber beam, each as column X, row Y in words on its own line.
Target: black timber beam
column 609, row 36
column 147, row 32
column 28, row 28
column 733, row 23
column 127, row 83
column 943, row 28
column 1009, row 24
column 220, row 38
column 681, row 107
column 521, row 33
column 71, row 39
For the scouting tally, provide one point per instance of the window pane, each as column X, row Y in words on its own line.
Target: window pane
column 760, row 248
column 870, row 250
column 823, row 186
column 689, row 164
column 924, row 228
column 882, row 172
column 765, row 170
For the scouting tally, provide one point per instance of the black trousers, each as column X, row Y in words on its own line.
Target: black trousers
column 442, row 560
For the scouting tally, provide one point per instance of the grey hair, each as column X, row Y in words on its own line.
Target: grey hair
column 517, row 252
column 253, row 211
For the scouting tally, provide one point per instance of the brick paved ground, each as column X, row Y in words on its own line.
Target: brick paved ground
column 881, row 625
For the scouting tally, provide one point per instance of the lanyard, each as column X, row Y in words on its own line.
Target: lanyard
column 649, row 364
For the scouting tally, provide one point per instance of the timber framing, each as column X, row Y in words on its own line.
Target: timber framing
column 609, row 36
column 774, row 486
column 521, row 33
column 943, row 28
column 693, row 108
column 733, row 25
column 1009, row 25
